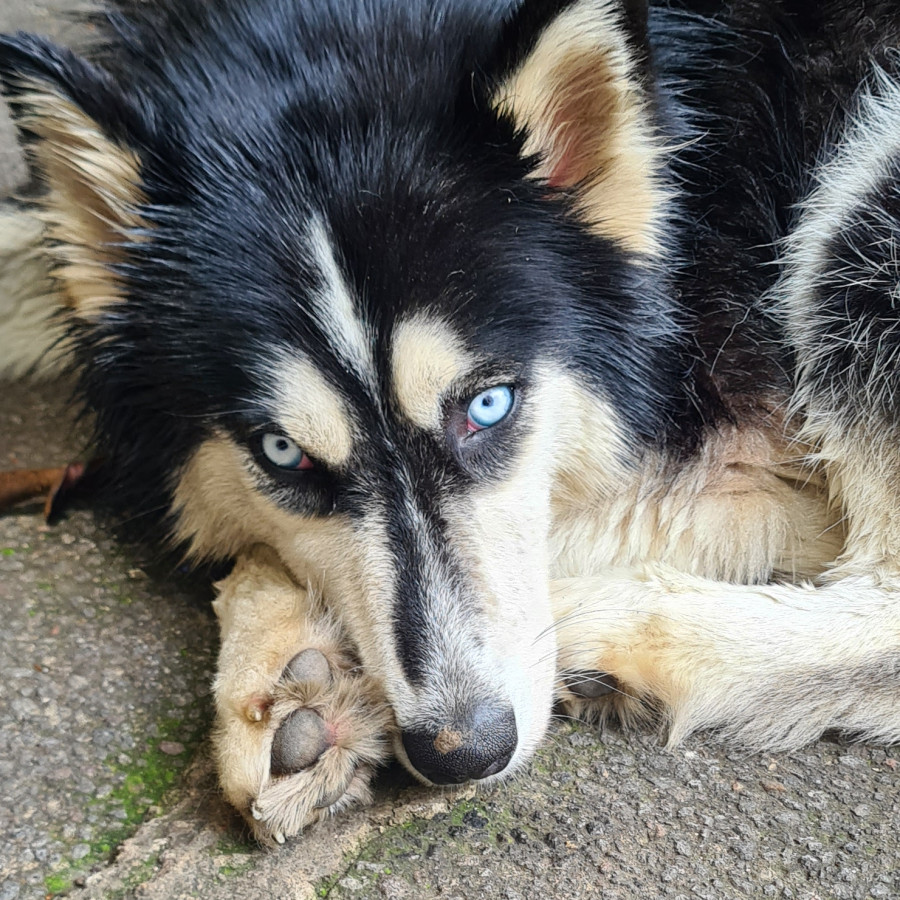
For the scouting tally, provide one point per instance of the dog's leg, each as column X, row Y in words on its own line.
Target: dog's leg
column 770, row 666
column 838, row 299
column 298, row 732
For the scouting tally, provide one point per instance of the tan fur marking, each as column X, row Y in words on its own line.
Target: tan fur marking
column 427, row 357
column 92, row 200
column 594, row 458
column 218, row 508
column 769, row 666
column 579, row 98
column 221, row 512
column 864, row 487
column 746, row 508
column 311, row 411
column 447, row 740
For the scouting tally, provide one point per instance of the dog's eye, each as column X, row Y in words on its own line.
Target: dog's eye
column 281, row 451
column 489, row 408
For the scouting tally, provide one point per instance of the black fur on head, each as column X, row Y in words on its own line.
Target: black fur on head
column 250, row 118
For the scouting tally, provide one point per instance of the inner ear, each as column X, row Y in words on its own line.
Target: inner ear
column 577, row 93
column 91, row 207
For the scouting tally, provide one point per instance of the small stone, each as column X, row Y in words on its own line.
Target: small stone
column 171, row 748
column 392, row 888
column 80, row 851
column 363, row 866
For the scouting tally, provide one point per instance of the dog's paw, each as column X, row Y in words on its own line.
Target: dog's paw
column 306, row 747
column 600, row 696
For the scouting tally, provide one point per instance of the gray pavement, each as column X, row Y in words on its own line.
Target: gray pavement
column 106, row 788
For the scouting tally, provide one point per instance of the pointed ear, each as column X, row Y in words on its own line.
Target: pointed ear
column 574, row 83
column 72, row 119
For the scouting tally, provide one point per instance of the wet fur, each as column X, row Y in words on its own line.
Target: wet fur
column 674, row 231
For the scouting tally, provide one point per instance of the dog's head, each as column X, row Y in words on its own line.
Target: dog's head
column 370, row 283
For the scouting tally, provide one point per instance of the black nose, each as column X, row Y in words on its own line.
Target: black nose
column 460, row 751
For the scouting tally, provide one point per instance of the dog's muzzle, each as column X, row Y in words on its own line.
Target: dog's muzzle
column 477, row 747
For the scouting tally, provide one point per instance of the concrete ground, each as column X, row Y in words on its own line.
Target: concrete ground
column 106, row 788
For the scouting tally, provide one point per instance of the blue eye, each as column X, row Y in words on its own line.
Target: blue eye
column 489, row 408
column 281, row 451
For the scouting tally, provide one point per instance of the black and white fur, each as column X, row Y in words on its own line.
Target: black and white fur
column 670, row 232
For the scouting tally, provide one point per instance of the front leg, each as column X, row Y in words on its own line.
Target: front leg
column 769, row 666
column 299, row 730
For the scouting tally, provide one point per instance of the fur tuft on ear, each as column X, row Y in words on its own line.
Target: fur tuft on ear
column 576, row 91
column 91, row 206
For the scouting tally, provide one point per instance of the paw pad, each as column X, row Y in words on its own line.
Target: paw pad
column 308, row 665
column 591, row 685
column 299, row 742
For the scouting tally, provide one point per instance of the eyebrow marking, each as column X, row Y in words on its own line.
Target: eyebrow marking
column 310, row 410
column 427, row 356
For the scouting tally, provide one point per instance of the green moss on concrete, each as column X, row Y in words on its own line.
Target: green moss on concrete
column 58, row 883
column 139, row 875
column 231, row 870
column 240, row 853
column 230, row 845
column 399, row 848
column 145, row 786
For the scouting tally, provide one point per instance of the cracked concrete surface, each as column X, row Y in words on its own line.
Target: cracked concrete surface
column 106, row 788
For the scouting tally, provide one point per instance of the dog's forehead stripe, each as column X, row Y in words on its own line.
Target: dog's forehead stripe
column 427, row 356
column 311, row 411
column 335, row 311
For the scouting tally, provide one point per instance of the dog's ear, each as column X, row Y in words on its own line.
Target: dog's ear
column 75, row 124
column 574, row 77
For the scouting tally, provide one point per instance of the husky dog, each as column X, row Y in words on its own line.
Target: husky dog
column 515, row 350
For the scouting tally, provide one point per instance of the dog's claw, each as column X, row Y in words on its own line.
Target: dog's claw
column 256, row 708
column 255, row 813
column 279, row 837
column 331, row 797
